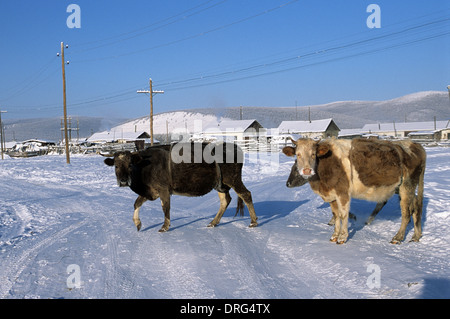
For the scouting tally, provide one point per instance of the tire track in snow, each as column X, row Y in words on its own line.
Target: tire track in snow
column 175, row 262
column 319, row 276
column 15, row 265
column 121, row 279
column 244, row 248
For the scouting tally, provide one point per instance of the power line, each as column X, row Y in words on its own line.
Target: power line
column 153, row 25
column 407, row 35
column 310, row 64
column 30, row 82
column 231, row 70
column 302, row 57
column 191, row 37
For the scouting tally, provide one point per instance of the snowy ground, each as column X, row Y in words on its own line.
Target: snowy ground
column 63, row 225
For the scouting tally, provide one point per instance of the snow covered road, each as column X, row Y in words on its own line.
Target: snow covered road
column 66, row 231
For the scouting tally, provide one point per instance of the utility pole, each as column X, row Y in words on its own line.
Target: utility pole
column 2, row 136
column 63, row 63
column 151, row 92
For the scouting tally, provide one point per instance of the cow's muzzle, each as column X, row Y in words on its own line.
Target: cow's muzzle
column 307, row 172
column 123, row 183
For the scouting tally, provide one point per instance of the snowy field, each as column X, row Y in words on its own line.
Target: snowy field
column 66, row 231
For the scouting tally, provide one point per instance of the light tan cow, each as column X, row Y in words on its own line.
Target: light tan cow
column 372, row 170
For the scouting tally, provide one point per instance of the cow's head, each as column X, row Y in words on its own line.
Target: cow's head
column 122, row 162
column 307, row 151
column 295, row 179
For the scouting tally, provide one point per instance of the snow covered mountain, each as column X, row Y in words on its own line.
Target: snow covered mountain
column 421, row 106
column 182, row 121
column 416, row 107
column 50, row 128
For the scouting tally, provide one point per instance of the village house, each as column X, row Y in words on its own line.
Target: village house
column 431, row 130
column 312, row 129
column 117, row 137
column 115, row 141
column 234, row 131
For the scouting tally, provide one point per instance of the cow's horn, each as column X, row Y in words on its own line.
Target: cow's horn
column 292, row 140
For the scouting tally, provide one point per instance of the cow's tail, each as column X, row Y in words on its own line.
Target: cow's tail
column 240, row 207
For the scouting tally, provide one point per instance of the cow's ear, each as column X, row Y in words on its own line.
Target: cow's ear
column 135, row 158
column 289, row 151
column 109, row 161
column 322, row 149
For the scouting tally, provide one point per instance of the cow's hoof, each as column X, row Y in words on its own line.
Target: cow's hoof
column 138, row 223
column 397, row 240
column 341, row 240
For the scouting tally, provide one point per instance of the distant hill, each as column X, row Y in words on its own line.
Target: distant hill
column 416, row 107
column 50, row 128
column 421, row 106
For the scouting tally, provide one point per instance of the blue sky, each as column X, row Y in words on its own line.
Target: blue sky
column 217, row 53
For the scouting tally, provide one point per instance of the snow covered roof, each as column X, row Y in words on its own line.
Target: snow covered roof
column 111, row 136
column 423, row 133
column 305, row 126
column 230, row 125
column 105, row 136
column 409, row 126
column 350, row 132
column 43, row 142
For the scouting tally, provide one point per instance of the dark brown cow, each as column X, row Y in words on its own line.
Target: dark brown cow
column 186, row 169
column 373, row 170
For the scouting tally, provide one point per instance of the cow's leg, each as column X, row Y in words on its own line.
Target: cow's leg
column 344, row 209
column 417, row 217
column 337, row 221
column 418, row 202
column 406, row 202
column 246, row 196
column 225, row 200
column 165, row 203
column 137, row 206
column 375, row 212
column 332, row 221
column 333, row 218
